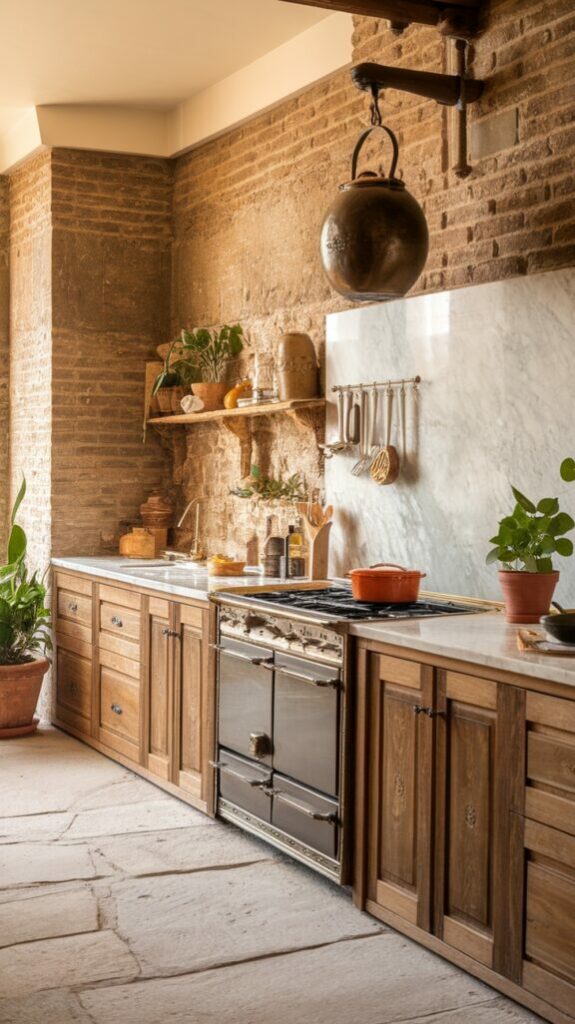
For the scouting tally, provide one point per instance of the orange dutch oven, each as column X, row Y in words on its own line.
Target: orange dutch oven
column 386, row 583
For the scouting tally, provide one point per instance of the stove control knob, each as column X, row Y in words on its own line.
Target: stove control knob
column 292, row 637
column 329, row 647
column 311, row 642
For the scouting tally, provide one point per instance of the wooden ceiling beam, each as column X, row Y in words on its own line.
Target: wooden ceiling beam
column 458, row 18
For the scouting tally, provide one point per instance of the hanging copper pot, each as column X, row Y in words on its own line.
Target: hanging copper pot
column 374, row 239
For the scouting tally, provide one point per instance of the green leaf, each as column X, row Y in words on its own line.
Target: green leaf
column 564, row 547
column 548, row 506
column 561, row 523
column 548, row 546
column 506, row 536
column 19, row 500
column 493, row 556
column 524, row 502
column 510, row 521
column 568, row 470
column 16, row 544
column 530, row 563
column 507, row 555
column 544, row 564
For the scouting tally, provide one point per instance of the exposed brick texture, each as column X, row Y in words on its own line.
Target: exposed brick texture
column 111, row 222
column 4, row 355
column 248, row 207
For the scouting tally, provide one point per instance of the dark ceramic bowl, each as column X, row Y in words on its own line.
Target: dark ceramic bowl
column 561, row 627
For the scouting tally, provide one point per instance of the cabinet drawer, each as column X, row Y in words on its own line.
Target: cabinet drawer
column 74, row 689
column 73, row 611
column 306, row 815
column 119, row 726
column 550, row 914
column 400, row 671
column 550, row 775
column 242, row 783
column 120, row 630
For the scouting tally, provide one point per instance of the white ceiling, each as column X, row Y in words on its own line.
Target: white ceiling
column 145, row 53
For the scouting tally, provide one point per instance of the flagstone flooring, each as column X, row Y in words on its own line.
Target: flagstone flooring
column 121, row 905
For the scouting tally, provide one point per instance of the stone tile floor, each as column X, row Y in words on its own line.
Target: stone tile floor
column 121, row 905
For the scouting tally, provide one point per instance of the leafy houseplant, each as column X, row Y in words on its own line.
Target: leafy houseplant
column 211, row 352
column 524, row 544
column 24, row 635
column 178, row 372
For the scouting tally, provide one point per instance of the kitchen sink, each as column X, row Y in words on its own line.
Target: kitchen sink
column 177, row 573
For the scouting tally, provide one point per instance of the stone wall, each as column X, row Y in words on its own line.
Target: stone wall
column 248, row 208
column 111, row 222
column 31, row 352
column 4, row 358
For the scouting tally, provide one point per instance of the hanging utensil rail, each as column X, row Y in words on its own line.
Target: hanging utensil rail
column 377, row 384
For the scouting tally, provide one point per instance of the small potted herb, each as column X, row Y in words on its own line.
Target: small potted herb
column 524, row 545
column 265, row 488
column 24, row 635
column 212, row 352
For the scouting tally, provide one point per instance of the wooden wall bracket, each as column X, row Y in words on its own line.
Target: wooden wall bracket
column 241, row 428
column 459, row 18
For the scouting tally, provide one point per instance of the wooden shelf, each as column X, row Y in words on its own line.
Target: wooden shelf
column 271, row 408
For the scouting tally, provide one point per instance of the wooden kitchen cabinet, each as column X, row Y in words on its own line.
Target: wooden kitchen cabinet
column 465, row 820
column 135, row 679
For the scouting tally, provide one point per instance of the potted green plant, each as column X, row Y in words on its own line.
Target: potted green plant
column 175, row 379
column 212, row 351
column 524, row 545
column 24, row 635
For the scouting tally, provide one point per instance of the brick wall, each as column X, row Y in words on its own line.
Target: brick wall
column 111, row 222
column 4, row 357
column 248, row 209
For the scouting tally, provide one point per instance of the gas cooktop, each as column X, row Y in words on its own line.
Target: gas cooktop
column 337, row 603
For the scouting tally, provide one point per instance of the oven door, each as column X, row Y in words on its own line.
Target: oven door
column 306, row 722
column 245, row 699
column 305, row 815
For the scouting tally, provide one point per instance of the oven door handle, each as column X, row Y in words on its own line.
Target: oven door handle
column 333, row 683
column 264, row 662
column 303, row 808
column 223, row 767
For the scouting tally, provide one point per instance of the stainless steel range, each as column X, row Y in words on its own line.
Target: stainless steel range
column 284, row 713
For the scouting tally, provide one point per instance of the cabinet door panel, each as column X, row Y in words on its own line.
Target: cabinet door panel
column 158, row 668
column 74, row 689
column 465, row 847
column 120, row 718
column 400, row 789
column 191, row 752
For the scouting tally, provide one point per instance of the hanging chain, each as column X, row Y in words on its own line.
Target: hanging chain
column 376, row 118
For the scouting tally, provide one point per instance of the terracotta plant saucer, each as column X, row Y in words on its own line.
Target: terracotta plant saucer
column 19, row 730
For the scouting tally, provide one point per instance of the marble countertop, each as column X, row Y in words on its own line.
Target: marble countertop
column 177, row 579
column 484, row 639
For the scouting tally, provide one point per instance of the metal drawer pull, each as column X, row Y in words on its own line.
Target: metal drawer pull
column 420, row 710
column 116, row 709
column 264, row 662
column 72, row 607
column 169, row 632
column 117, row 622
column 304, row 808
column 223, row 767
column 334, row 683
column 72, row 687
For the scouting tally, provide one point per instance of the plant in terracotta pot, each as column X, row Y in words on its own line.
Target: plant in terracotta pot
column 524, row 544
column 212, row 353
column 24, row 635
column 175, row 379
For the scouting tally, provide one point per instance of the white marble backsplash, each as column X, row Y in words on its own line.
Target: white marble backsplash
column 495, row 406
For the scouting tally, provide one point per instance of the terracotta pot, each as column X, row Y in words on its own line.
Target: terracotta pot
column 297, row 367
column 212, row 395
column 20, row 687
column 527, row 595
column 386, row 583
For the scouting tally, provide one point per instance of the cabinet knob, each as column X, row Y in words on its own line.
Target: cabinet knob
column 72, row 607
column 420, row 710
column 169, row 632
column 116, row 709
column 260, row 744
column 73, row 688
column 117, row 622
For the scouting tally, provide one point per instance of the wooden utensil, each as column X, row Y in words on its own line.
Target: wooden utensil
column 385, row 466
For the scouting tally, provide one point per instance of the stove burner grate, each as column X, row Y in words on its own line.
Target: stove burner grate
column 338, row 601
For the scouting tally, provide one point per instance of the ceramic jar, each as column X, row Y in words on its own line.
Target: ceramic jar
column 297, row 367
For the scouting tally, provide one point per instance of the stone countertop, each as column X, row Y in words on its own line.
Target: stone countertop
column 183, row 581
column 485, row 640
